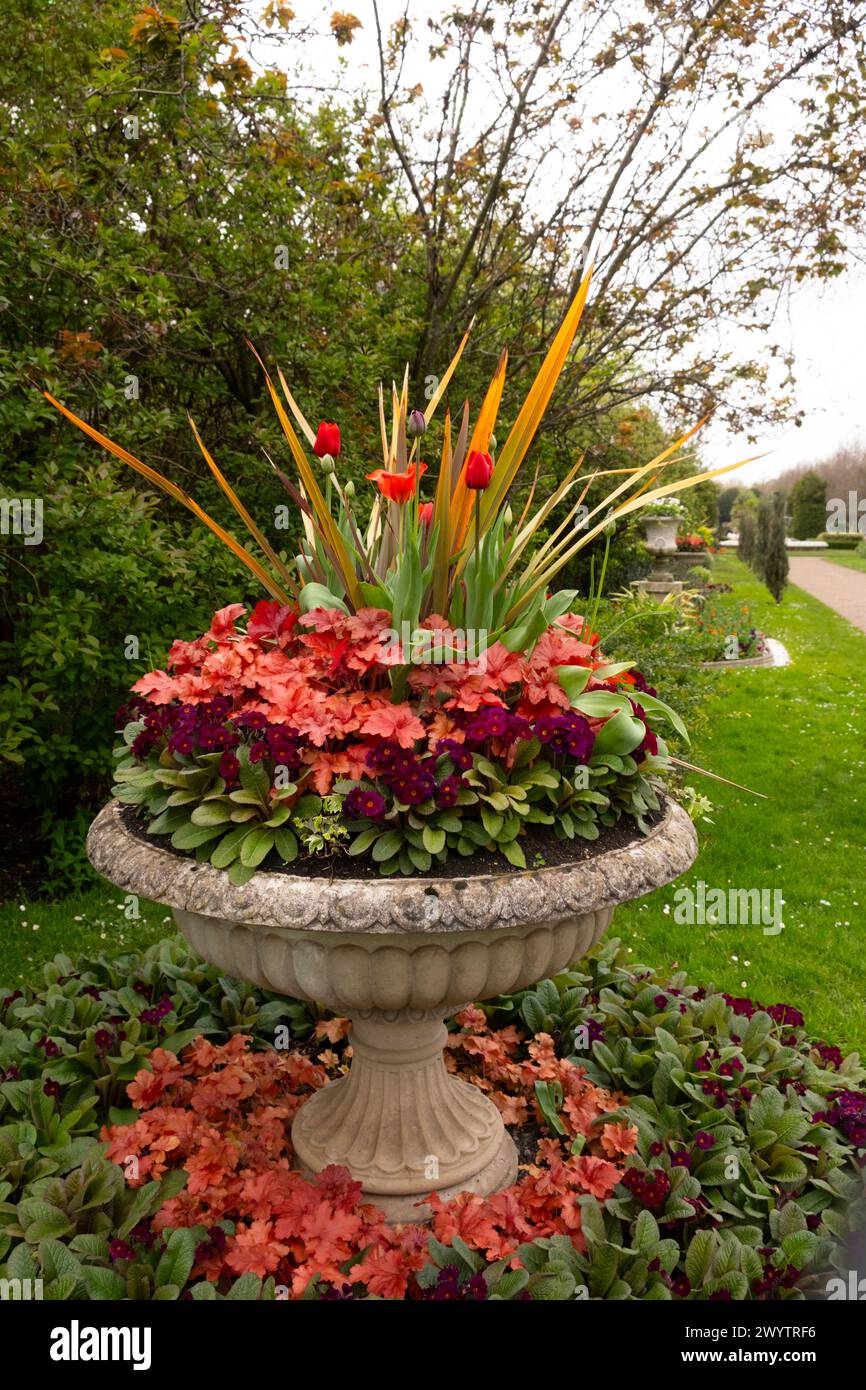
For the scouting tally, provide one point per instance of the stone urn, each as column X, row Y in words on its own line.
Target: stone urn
column 397, row 958
column 661, row 533
column 661, row 540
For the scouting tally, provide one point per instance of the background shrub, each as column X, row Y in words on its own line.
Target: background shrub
column 842, row 540
column 808, row 503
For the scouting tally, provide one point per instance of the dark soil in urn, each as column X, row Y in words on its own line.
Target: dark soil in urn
column 541, row 847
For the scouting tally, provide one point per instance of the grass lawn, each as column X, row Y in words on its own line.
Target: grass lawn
column 795, row 733
column 32, row 932
column 847, row 558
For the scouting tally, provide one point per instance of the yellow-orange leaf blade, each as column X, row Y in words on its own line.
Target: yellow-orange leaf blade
column 523, row 430
column 178, row 494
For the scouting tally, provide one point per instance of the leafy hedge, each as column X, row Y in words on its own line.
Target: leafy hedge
column 750, row 1136
column 841, row 540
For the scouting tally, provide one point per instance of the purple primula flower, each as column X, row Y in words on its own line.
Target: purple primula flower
column 360, row 803
column 446, row 793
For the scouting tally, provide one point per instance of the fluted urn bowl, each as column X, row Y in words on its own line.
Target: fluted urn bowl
column 397, row 957
column 661, row 534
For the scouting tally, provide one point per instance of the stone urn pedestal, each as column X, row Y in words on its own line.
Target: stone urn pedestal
column 661, row 541
column 397, row 957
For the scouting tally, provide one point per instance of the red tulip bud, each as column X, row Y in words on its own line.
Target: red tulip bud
column 327, row 440
column 479, row 471
column 425, row 511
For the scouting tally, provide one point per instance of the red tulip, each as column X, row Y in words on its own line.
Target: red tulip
column 327, row 440
column 425, row 511
column 397, row 487
column 479, row 471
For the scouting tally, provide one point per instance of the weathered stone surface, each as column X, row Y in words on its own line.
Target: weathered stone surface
column 399, row 970
column 399, row 1122
column 466, row 902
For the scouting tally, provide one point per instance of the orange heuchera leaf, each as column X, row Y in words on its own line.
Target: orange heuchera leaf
column 330, row 1233
column 334, row 1029
column 618, row 1139
column 398, row 722
column 513, row 1109
column 254, row 1250
column 596, row 1175
column 386, row 1272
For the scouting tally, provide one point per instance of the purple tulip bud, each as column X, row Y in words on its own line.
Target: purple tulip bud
column 416, row 424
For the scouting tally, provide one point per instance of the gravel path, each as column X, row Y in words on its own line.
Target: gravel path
column 841, row 589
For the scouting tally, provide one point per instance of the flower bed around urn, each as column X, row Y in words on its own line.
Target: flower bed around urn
column 639, row 1101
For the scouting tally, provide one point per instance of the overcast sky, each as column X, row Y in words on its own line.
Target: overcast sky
column 825, row 327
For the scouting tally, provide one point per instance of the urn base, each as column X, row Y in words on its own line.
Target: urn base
column 401, row 1123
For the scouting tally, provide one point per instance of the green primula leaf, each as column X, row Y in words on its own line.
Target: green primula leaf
column 191, row 836
column 420, row 858
column 800, row 1248
column 434, row 839
column 388, row 844
column 492, row 821
column 256, row 846
column 254, row 778
column 787, row 1168
column 211, row 813
column 513, row 853
column 286, row 844
column 646, row 1234
column 512, row 1283
column 699, row 1257
column 55, row 1224
column 168, row 821
column 245, row 1289
column 103, row 1284
column 177, row 1259
column 229, row 847
column 239, row 874
column 733, row 1283
column 63, row 1288
column 362, row 842
column 203, row 1292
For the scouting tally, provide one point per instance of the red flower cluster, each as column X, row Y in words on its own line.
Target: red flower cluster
column 324, row 676
column 651, row 1187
